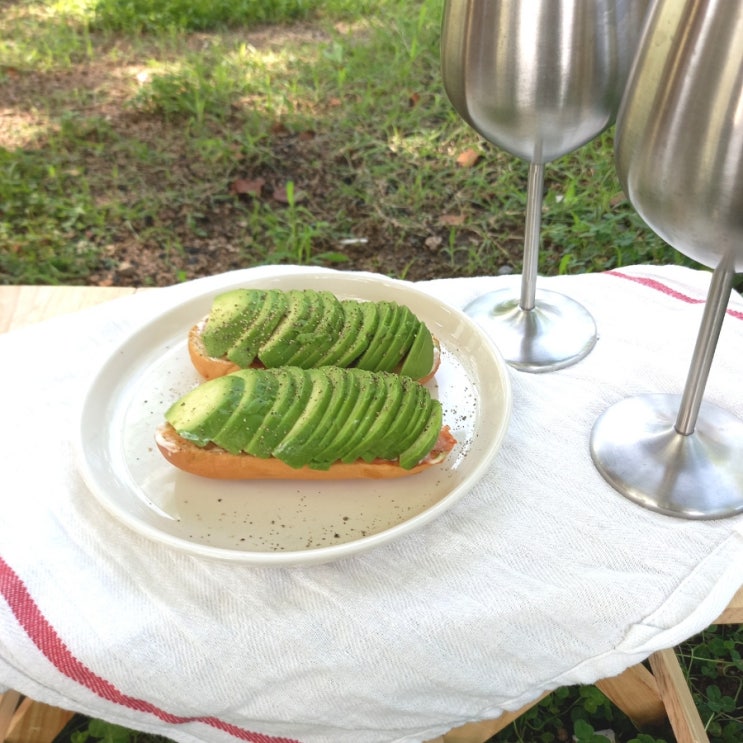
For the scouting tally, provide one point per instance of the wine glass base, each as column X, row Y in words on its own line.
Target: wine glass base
column 558, row 332
column 635, row 446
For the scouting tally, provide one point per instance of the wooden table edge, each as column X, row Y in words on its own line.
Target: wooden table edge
column 23, row 305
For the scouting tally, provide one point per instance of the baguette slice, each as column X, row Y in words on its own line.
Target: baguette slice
column 291, row 423
column 253, row 328
column 216, row 463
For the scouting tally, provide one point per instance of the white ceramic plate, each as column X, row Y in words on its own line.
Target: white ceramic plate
column 281, row 522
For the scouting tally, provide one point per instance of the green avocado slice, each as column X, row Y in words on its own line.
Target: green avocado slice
column 345, row 397
column 244, row 350
column 419, row 361
column 349, row 341
column 199, row 414
column 295, row 449
column 425, row 440
column 361, row 332
column 230, row 315
column 362, row 394
column 412, row 400
column 257, row 399
column 375, row 392
column 315, row 343
column 369, row 324
column 406, row 325
column 291, row 397
column 379, row 342
column 303, row 313
column 423, row 403
column 377, row 438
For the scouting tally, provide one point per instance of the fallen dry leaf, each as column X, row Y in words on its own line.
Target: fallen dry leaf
column 245, row 187
column 453, row 220
column 468, row 158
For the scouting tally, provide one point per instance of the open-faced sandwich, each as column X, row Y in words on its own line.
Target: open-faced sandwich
column 307, row 328
column 326, row 423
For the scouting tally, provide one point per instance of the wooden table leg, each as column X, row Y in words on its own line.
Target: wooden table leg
column 8, row 704
column 682, row 711
column 635, row 692
column 478, row 732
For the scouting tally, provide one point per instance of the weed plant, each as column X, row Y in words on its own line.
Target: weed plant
column 164, row 105
column 349, row 108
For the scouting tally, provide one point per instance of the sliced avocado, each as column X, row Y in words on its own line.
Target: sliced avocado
column 244, row 350
column 349, row 342
column 258, row 396
column 379, row 342
column 202, row 412
column 356, row 442
column 345, row 396
column 406, row 325
column 230, row 315
column 426, row 439
column 389, row 444
column 313, row 344
column 419, row 361
column 362, row 395
column 295, row 449
column 303, row 313
column 291, row 397
column 376, row 437
column 406, row 435
column 364, row 334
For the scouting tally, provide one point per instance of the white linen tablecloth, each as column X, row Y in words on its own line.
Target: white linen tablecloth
column 542, row 576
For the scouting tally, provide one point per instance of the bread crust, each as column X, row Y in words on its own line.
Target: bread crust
column 210, row 367
column 215, row 463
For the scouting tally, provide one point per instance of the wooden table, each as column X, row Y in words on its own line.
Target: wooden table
column 25, row 305
column 636, row 691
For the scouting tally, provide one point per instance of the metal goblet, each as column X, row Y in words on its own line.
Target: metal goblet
column 679, row 155
column 538, row 78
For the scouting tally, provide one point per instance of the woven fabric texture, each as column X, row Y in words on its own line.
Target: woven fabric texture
column 541, row 576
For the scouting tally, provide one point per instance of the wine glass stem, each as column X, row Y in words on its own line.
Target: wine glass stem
column 709, row 331
column 534, row 195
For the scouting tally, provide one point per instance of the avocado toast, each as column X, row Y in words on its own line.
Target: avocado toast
column 288, row 422
column 308, row 328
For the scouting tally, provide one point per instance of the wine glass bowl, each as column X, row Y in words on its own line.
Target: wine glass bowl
column 538, row 78
column 679, row 156
column 679, row 148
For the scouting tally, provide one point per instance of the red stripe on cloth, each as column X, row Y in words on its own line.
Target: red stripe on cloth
column 45, row 637
column 658, row 286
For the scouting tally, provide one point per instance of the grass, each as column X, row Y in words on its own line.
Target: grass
column 135, row 119
column 711, row 661
column 153, row 141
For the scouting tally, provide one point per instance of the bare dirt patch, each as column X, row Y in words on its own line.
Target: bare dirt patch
column 208, row 227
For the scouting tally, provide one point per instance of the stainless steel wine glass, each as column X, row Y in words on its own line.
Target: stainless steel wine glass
column 679, row 155
column 538, row 78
